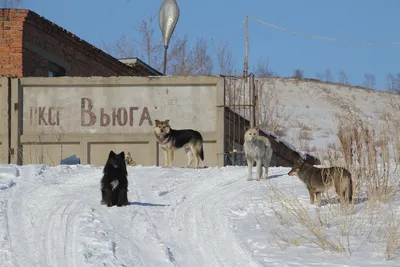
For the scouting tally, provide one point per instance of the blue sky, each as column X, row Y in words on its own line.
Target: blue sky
column 105, row 21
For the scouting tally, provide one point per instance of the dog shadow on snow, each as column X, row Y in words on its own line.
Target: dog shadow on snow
column 273, row 176
column 336, row 200
column 146, row 204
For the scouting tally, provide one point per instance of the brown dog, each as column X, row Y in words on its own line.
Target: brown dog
column 319, row 180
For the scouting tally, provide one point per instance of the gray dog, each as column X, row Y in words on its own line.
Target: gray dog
column 257, row 149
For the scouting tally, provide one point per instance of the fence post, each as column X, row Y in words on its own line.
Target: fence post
column 252, row 101
column 20, row 122
column 256, row 104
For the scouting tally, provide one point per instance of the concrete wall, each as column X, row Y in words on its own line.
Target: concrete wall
column 62, row 116
column 54, row 118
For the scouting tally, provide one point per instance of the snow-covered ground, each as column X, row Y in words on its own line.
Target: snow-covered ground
column 51, row 216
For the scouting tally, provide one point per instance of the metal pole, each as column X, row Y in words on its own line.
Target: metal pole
column 246, row 59
column 165, row 60
column 257, row 85
column 251, row 100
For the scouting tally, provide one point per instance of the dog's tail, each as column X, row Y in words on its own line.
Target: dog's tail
column 202, row 153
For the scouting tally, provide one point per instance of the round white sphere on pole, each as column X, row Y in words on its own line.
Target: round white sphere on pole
column 168, row 17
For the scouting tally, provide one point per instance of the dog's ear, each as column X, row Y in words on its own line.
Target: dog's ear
column 112, row 153
column 157, row 122
column 167, row 122
column 122, row 154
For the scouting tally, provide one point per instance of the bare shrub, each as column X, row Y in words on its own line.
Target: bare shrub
column 151, row 49
column 332, row 227
column 299, row 74
column 281, row 132
column 392, row 231
column 10, row 3
column 343, row 78
column 305, row 135
column 262, row 69
column 301, row 225
column 369, row 80
column 224, row 60
column 370, row 170
column 272, row 116
column 369, row 153
column 183, row 58
column 368, row 160
column 304, row 127
column 328, row 76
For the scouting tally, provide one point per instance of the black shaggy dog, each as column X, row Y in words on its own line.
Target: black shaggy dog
column 114, row 184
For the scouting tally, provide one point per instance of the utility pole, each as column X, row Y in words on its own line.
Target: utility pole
column 246, row 59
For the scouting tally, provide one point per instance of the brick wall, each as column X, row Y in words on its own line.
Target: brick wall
column 30, row 43
column 11, row 33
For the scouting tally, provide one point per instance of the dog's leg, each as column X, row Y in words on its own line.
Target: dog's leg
column 103, row 195
column 108, row 199
column 318, row 197
column 165, row 156
column 249, row 169
column 267, row 161
column 265, row 175
column 197, row 150
column 189, row 154
column 196, row 158
column 122, row 198
column 259, row 169
column 311, row 192
column 171, row 156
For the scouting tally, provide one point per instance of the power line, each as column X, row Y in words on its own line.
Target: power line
column 322, row 37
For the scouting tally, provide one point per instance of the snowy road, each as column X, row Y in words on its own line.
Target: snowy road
column 51, row 216
column 176, row 218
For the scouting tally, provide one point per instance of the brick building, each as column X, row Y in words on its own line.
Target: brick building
column 32, row 46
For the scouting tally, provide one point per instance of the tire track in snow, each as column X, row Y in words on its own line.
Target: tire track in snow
column 144, row 227
column 110, row 233
column 94, row 237
column 120, row 220
column 58, row 241
column 164, row 247
column 44, row 212
column 17, row 224
column 204, row 221
column 7, row 257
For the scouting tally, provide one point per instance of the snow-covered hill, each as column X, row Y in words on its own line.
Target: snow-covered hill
column 308, row 112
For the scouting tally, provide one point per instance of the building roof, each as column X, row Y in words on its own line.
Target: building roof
column 140, row 66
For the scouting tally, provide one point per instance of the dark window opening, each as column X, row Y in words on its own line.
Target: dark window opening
column 56, row 70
